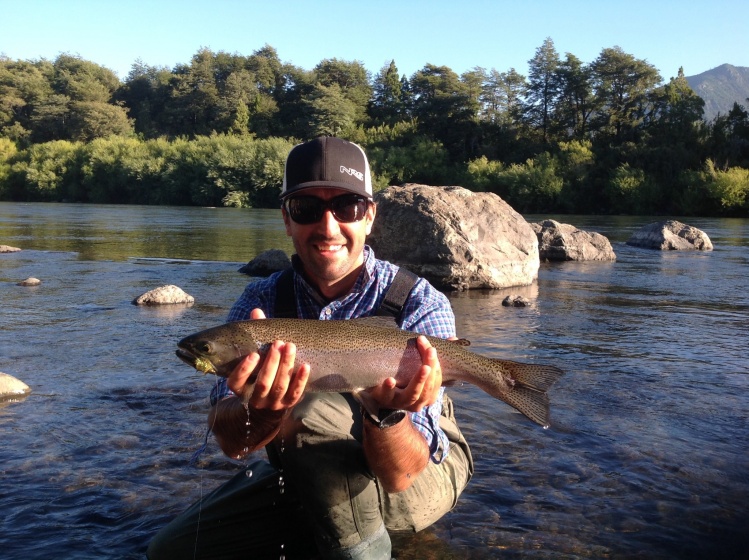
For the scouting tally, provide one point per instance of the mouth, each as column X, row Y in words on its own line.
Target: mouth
column 328, row 248
column 200, row 364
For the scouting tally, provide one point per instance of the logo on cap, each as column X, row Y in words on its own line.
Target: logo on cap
column 353, row 172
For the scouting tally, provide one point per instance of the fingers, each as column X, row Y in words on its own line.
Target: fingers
column 276, row 386
column 257, row 313
column 423, row 388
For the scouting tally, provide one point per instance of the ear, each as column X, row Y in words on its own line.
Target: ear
column 286, row 221
column 370, row 216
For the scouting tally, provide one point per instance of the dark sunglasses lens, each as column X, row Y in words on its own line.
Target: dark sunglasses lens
column 305, row 209
column 347, row 209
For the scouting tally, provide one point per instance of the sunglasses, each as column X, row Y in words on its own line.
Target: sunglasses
column 347, row 208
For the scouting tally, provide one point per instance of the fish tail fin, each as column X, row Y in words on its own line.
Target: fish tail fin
column 528, row 392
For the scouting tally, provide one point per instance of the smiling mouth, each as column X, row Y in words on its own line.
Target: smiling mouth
column 329, row 248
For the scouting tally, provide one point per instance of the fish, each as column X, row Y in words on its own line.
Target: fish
column 356, row 354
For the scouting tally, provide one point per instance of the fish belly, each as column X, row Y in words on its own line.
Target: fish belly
column 342, row 372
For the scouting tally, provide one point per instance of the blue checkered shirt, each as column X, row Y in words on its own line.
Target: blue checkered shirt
column 427, row 311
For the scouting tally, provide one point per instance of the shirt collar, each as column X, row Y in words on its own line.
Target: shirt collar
column 365, row 277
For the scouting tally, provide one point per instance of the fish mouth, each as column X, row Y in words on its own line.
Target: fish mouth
column 198, row 362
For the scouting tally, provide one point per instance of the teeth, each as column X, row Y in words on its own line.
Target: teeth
column 329, row 247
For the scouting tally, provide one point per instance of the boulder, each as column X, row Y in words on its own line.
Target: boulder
column 671, row 235
column 455, row 238
column 564, row 242
column 31, row 281
column 266, row 263
column 164, row 295
column 8, row 249
column 12, row 387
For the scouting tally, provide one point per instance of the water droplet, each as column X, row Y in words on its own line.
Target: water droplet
column 248, row 473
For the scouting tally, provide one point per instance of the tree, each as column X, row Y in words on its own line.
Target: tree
column 352, row 80
column 331, row 112
column 193, row 107
column 146, row 94
column 82, row 80
column 622, row 85
column 675, row 131
column 729, row 138
column 543, row 87
column 22, row 86
column 92, row 119
column 444, row 108
column 388, row 103
column 575, row 103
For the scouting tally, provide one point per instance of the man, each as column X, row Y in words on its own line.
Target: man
column 357, row 474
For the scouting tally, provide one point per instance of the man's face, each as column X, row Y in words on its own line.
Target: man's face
column 331, row 252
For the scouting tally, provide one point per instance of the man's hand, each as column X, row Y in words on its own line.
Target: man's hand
column 276, row 386
column 421, row 391
column 276, row 390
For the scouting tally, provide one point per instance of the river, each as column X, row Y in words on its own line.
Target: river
column 647, row 456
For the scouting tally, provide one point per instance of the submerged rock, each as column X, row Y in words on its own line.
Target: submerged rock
column 12, row 387
column 671, row 235
column 266, row 263
column 516, row 301
column 455, row 238
column 8, row 249
column 31, row 281
column 564, row 242
column 164, row 295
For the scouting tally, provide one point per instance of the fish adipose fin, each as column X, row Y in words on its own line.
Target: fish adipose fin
column 528, row 394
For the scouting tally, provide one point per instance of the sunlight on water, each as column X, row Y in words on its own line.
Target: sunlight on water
column 646, row 454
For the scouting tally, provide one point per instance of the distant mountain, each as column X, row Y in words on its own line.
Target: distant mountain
column 721, row 87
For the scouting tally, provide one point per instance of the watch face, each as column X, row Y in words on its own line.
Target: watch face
column 392, row 418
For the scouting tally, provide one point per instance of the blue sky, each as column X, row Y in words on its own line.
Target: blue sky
column 460, row 34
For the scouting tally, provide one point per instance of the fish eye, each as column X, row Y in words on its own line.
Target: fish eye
column 204, row 347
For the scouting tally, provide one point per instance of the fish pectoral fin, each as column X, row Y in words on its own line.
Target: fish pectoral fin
column 367, row 402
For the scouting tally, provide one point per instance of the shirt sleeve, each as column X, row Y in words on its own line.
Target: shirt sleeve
column 428, row 312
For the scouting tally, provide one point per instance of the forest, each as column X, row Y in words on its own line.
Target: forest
column 608, row 136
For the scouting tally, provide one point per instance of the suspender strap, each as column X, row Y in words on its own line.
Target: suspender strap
column 285, row 307
column 392, row 304
column 397, row 294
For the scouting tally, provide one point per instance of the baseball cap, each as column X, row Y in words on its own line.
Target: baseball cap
column 327, row 162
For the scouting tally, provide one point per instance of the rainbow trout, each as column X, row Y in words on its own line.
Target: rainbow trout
column 348, row 356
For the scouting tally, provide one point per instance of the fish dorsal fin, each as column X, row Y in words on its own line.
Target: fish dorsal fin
column 383, row 321
column 461, row 342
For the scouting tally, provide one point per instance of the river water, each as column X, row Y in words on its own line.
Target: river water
column 647, row 456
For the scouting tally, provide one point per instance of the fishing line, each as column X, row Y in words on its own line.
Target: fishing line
column 194, row 460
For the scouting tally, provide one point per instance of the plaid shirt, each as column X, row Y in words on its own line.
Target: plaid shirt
column 427, row 311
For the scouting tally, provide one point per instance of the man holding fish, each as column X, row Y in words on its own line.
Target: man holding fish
column 357, row 474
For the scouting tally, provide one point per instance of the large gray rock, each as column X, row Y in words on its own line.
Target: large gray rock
column 266, row 263
column 164, row 295
column 455, row 238
column 564, row 242
column 671, row 235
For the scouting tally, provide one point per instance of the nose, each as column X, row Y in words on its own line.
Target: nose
column 329, row 224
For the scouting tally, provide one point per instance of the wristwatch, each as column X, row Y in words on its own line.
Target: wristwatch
column 386, row 417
